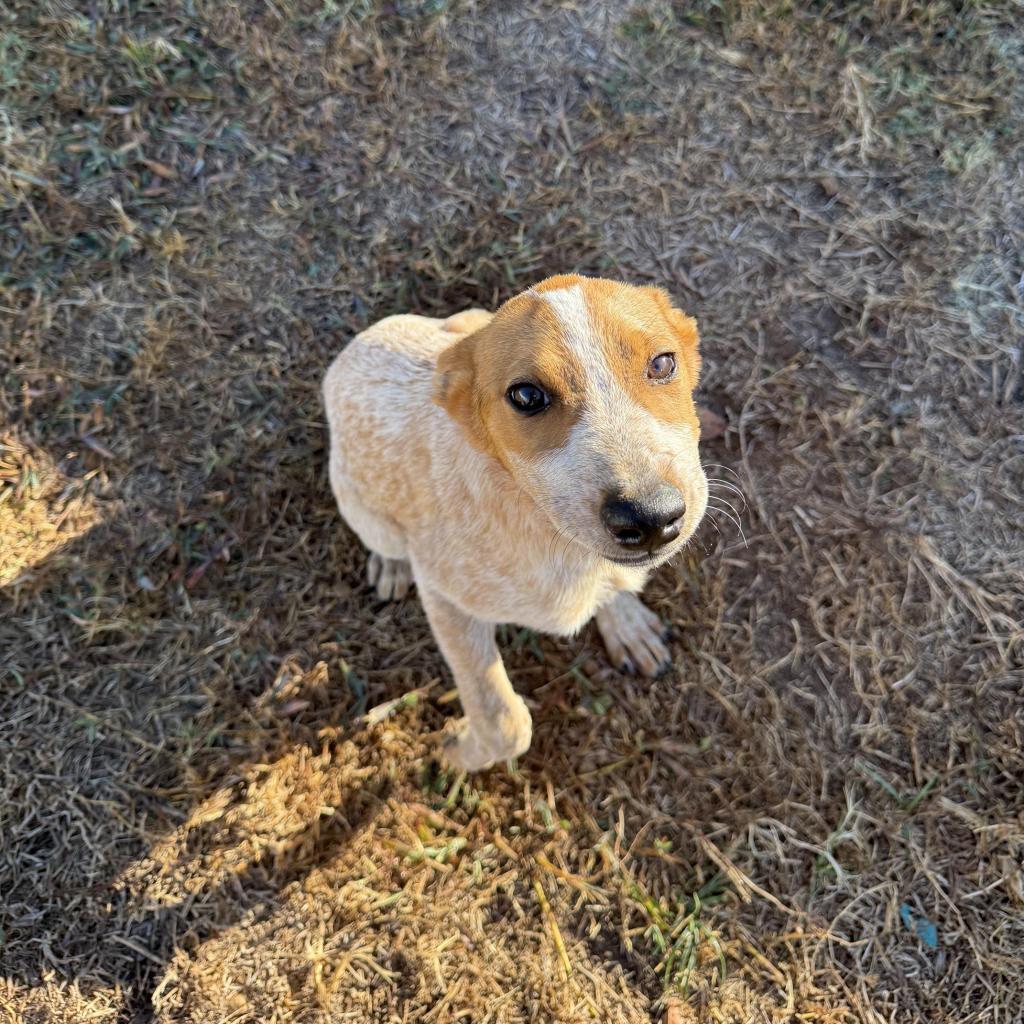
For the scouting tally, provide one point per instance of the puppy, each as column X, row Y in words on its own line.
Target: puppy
column 531, row 466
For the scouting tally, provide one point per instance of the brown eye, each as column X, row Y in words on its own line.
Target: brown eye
column 528, row 398
column 662, row 368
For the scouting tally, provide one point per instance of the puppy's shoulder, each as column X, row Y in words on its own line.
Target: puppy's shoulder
column 401, row 350
column 419, row 337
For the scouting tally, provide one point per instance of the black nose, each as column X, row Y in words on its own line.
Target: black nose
column 643, row 524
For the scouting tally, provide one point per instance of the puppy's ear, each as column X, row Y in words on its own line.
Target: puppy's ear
column 685, row 330
column 454, row 389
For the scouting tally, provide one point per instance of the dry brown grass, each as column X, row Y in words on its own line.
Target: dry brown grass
column 823, row 802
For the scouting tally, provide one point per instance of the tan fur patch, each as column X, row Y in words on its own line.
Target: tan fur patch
column 641, row 314
column 524, row 342
column 636, row 324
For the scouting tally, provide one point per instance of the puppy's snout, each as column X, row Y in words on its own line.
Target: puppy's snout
column 643, row 524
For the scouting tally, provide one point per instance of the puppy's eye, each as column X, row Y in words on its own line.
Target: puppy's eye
column 528, row 398
column 662, row 367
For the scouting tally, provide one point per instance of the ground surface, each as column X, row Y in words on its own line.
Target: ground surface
column 199, row 203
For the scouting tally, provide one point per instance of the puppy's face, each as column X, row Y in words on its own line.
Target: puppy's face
column 582, row 389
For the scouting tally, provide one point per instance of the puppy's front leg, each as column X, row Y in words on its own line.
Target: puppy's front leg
column 497, row 724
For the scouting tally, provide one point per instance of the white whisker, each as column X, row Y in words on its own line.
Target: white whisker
column 731, row 516
column 718, row 465
column 728, row 504
column 723, row 483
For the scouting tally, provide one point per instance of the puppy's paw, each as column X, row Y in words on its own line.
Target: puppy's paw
column 470, row 749
column 633, row 636
column 391, row 577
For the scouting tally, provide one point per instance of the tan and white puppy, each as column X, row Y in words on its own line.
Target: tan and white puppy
column 531, row 467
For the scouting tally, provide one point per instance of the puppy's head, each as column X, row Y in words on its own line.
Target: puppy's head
column 582, row 389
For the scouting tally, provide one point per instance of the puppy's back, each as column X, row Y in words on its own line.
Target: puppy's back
column 404, row 341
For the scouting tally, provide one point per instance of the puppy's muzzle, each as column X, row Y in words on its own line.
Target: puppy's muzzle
column 644, row 524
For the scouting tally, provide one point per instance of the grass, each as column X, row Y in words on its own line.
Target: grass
column 678, row 932
column 219, row 797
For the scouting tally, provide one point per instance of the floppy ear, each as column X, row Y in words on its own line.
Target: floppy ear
column 685, row 330
column 454, row 390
